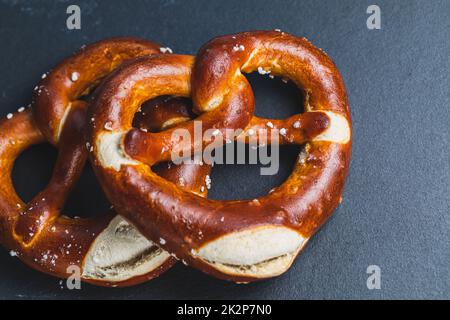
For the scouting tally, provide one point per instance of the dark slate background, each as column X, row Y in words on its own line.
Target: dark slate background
column 395, row 212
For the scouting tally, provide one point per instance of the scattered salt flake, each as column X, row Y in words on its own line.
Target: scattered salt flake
column 262, row 71
column 222, row 219
column 9, row 116
column 44, row 75
column 237, row 48
column 269, row 124
column 108, row 126
column 165, row 50
column 21, row 109
column 13, row 253
column 74, row 76
column 283, row 131
column 216, row 132
column 208, row 181
column 296, row 124
column 162, row 241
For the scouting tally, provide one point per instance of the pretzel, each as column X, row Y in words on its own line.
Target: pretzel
column 243, row 240
column 107, row 249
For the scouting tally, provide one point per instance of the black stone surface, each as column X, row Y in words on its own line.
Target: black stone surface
column 396, row 208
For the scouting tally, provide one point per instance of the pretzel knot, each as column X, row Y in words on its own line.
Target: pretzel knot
column 241, row 240
column 107, row 249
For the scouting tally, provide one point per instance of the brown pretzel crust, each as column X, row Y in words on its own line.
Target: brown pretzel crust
column 36, row 232
column 190, row 224
column 77, row 75
column 64, row 241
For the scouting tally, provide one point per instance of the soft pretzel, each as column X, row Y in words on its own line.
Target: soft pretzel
column 108, row 250
column 241, row 240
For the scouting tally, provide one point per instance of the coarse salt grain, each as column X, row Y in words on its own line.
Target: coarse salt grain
column 165, row 50
column 74, row 76
column 208, row 182
column 238, row 48
column 108, row 126
column 262, row 71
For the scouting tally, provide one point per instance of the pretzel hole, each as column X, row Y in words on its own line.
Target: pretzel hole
column 245, row 181
column 87, row 199
column 33, row 169
column 275, row 98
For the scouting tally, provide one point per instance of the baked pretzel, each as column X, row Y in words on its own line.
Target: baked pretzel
column 108, row 250
column 241, row 240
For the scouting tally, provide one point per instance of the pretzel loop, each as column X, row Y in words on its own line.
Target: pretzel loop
column 76, row 76
column 241, row 240
column 108, row 250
